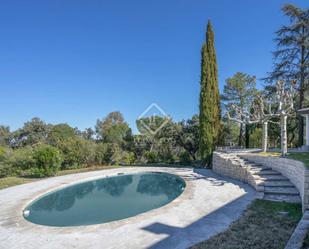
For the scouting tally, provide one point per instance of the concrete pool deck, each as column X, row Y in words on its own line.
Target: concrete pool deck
column 207, row 206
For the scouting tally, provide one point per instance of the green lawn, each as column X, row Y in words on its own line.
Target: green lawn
column 12, row 180
column 264, row 225
column 87, row 169
column 301, row 156
column 274, row 154
column 304, row 157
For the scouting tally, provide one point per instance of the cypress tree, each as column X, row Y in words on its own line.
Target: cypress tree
column 209, row 99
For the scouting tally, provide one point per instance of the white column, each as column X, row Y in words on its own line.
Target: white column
column 265, row 136
column 307, row 129
column 284, row 145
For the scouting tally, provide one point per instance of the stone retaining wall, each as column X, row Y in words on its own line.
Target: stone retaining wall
column 229, row 165
column 296, row 171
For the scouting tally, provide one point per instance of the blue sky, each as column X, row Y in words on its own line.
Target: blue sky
column 75, row 61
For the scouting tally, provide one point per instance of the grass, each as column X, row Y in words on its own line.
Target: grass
column 264, row 225
column 303, row 157
column 274, row 154
column 82, row 170
column 299, row 156
column 11, row 181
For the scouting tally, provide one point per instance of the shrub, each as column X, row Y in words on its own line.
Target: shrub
column 19, row 160
column 104, row 153
column 128, row 157
column 77, row 152
column 111, row 153
column 256, row 138
column 47, row 160
column 118, row 154
column 151, row 156
column 170, row 158
column 2, row 153
column 5, row 168
column 185, row 157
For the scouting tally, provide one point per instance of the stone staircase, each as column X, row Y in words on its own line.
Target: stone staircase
column 272, row 184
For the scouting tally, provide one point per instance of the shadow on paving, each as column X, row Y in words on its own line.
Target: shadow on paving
column 208, row 225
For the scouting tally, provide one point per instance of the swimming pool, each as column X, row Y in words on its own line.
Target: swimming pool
column 104, row 200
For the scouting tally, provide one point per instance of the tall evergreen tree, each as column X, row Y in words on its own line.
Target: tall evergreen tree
column 210, row 117
column 292, row 55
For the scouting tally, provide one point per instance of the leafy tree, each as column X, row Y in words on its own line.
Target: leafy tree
column 113, row 128
column 255, row 138
column 88, row 133
column 141, row 143
column 60, row 132
column 77, row 152
column 4, row 135
column 150, row 125
column 169, row 142
column 240, row 90
column 291, row 59
column 209, row 99
column 31, row 133
column 230, row 133
column 165, row 142
column 104, row 153
column 151, row 156
column 188, row 137
column 112, row 153
column 5, row 168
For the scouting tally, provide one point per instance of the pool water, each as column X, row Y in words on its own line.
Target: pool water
column 104, row 200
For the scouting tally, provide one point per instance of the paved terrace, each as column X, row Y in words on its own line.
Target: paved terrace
column 207, row 206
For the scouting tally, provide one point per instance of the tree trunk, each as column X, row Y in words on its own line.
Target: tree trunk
column 265, row 136
column 300, row 118
column 284, row 145
column 247, row 135
column 240, row 135
column 301, row 95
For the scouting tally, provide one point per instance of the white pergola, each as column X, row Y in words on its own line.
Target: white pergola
column 305, row 113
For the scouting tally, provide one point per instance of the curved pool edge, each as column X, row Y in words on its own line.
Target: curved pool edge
column 27, row 206
column 192, row 217
column 83, row 178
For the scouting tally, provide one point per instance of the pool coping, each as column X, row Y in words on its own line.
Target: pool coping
column 185, row 221
column 187, row 193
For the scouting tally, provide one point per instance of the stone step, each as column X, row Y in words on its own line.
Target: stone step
column 266, row 172
column 281, row 190
column 272, row 177
column 258, row 166
column 255, row 164
column 275, row 186
column 286, row 198
column 249, row 161
column 255, row 168
column 283, row 183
